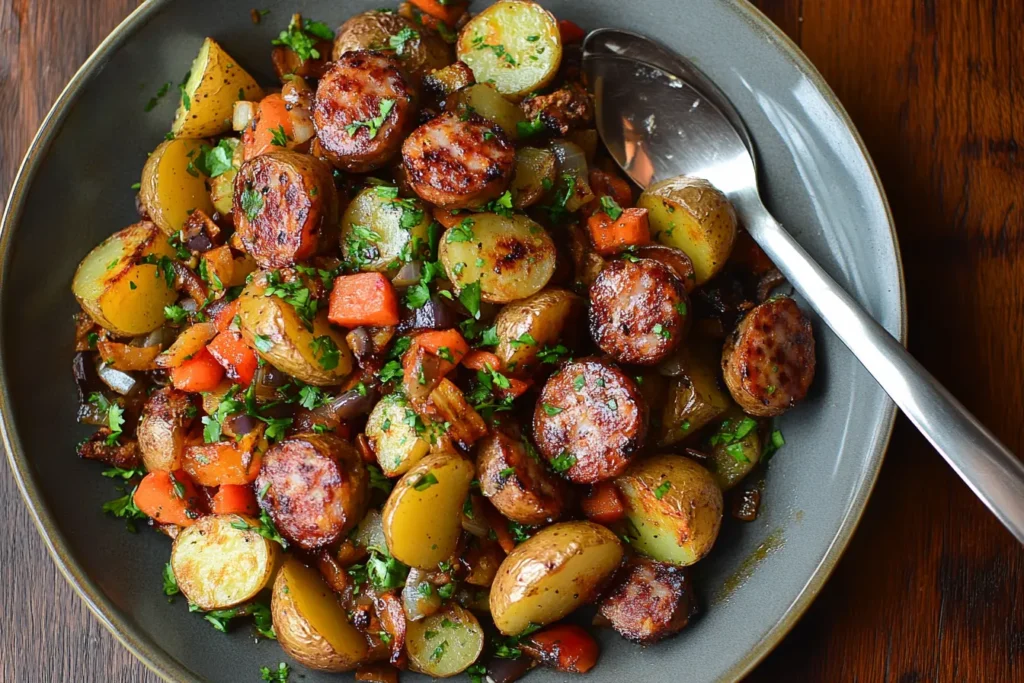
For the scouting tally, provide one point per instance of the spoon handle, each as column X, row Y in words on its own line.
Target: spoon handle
column 993, row 472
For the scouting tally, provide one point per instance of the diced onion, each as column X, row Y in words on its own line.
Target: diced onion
column 242, row 115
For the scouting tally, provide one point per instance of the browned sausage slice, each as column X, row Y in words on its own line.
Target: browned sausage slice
column 365, row 104
column 314, row 487
column 457, row 164
column 513, row 478
column 638, row 311
column 768, row 360
column 590, row 421
column 652, row 601
column 284, row 204
column 674, row 258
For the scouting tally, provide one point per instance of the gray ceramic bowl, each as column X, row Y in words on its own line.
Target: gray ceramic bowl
column 74, row 190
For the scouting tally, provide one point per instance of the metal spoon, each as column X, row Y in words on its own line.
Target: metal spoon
column 666, row 119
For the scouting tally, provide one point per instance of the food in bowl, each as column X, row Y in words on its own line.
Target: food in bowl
column 395, row 344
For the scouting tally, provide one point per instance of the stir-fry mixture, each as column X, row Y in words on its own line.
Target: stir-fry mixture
column 395, row 347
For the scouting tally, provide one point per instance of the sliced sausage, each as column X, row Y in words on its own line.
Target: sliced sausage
column 513, row 478
column 314, row 487
column 458, row 164
column 674, row 258
column 638, row 311
column 651, row 601
column 768, row 360
column 284, row 207
column 365, row 104
column 166, row 418
column 590, row 421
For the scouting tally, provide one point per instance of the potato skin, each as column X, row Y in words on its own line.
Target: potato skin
column 354, row 90
column 422, row 54
column 768, row 360
column 548, row 316
column 215, row 82
column 650, row 601
column 299, row 207
column 529, row 494
column 166, row 418
column 314, row 487
column 602, row 424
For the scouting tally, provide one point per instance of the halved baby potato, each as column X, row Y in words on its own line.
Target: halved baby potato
column 220, row 561
column 395, row 442
column 444, row 644
column 214, row 84
column 172, row 184
column 690, row 214
column 380, row 232
column 673, row 508
column 423, row 515
column 527, row 326
column 737, row 451
column 272, row 326
column 482, row 99
column 514, row 44
column 535, row 173
column 311, row 624
column 117, row 286
column 545, row 578
column 511, row 257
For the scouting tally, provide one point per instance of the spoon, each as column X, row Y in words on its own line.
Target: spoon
column 660, row 117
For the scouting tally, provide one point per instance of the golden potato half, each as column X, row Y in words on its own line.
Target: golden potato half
column 220, row 561
column 117, row 289
column 214, row 84
column 545, row 578
column 444, row 644
column 172, row 184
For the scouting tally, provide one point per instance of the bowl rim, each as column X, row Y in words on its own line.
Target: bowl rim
column 154, row 657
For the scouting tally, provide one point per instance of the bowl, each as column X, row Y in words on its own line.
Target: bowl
column 74, row 189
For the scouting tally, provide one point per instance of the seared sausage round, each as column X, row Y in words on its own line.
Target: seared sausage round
column 314, row 487
column 651, row 601
column 166, row 418
column 514, row 480
column 674, row 258
column 365, row 104
column 638, row 311
column 768, row 360
column 457, row 164
column 590, row 421
column 285, row 204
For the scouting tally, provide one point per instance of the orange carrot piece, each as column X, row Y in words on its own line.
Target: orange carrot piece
column 226, row 462
column 167, row 497
column 451, row 340
column 479, row 360
column 200, row 373
column 363, row 299
column 271, row 115
column 449, row 12
column 610, row 237
column 235, row 499
column 571, row 32
column 226, row 316
column 234, row 355
column 604, row 503
column 565, row 647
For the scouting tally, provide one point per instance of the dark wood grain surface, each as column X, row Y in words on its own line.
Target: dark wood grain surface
column 931, row 588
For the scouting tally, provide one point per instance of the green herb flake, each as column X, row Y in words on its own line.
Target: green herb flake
column 374, row 124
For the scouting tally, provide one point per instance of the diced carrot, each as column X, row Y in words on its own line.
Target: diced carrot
column 571, row 32
column 271, row 115
column 235, row 499
column 167, row 497
column 446, row 218
column 437, row 340
column 604, row 184
column 479, row 360
column 363, row 299
column 226, row 316
column 566, row 647
column 226, row 462
column 449, row 12
column 610, row 237
column 234, row 354
column 604, row 503
column 200, row 373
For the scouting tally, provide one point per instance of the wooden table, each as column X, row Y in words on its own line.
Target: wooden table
column 931, row 588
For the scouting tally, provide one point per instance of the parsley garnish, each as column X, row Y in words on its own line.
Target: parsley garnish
column 216, row 161
column 278, row 137
column 527, row 129
column 176, row 314
column 469, row 297
column 552, row 354
column 611, row 207
column 294, row 293
column 463, row 232
column 563, row 462
column 153, row 101
column 170, row 581
column 265, row 528
column 398, row 41
column 301, row 39
column 774, row 443
column 525, row 339
column 252, row 202
column 326, row 352
column 278, row 675
column 551, row 410
column 662, row 489
column 372, row 125
column 424, row 482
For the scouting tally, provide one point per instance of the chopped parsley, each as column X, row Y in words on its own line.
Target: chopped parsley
column 662, row 489
column 302, row 39
column 563, row 462
column 153, row 101
column 216, row 161
column 469, row 296
column 326, row 352
column 265, row 528
column 278, row 137
column 176, row 314
column 372, row 125
column 527, row 129
column 378, row 480
column 773, row 444
column 170, row 581
column 499, row 50
column 660, row 330
column 398, row 41
column 611, row 207
column 262, row 343
column 552, row 354
column 281, row 673
column 525, row 339
column 424, row 482
column 501, row 206
column 252, row 202
column 463, row 232
column 294, row 293
column 551, row 410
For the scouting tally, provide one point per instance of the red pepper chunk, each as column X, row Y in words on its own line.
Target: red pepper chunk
column 566, row 647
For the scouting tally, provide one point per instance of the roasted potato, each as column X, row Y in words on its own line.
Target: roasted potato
column 214, row 84
column 510, row 257
column 514, row 44
column 689, row 213
column 222, row 185
column 274, row 328
column 394, row 441
column 531, row 325
column 311, row 625
column 119, row 287
column 673, row 508
column 173, row 186
column 380, row 231
column 513, row 478
column 695, row 397
column 166, row 418
column 734, row 449
column 482, row 99
column 221, row 561
column 445, row 643
column 419, row 51
column 446, row 81
column 423, row 515
column 545, row 578
column 536, row 170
